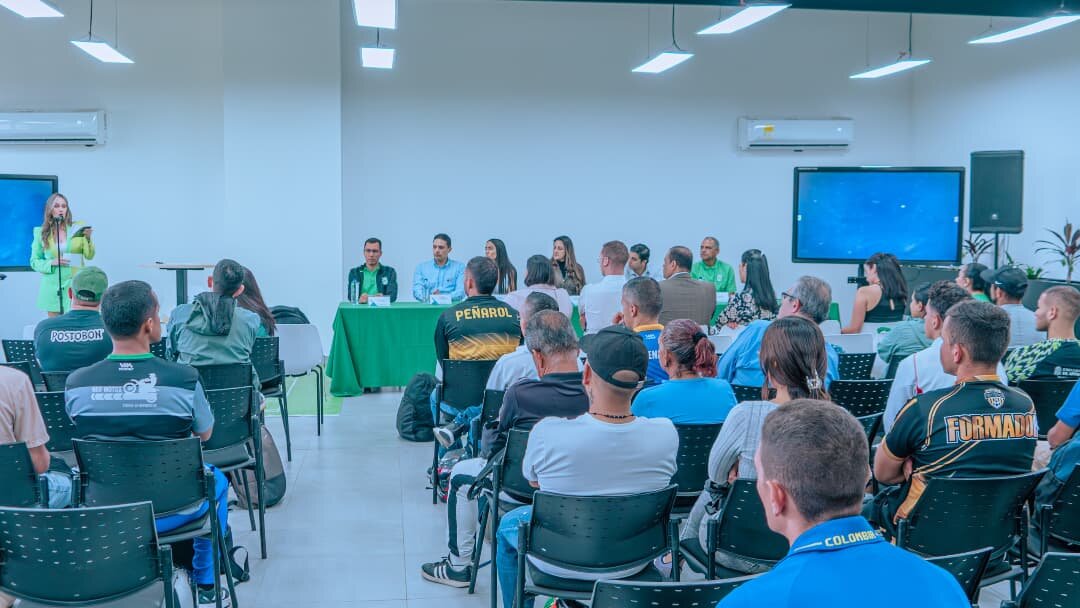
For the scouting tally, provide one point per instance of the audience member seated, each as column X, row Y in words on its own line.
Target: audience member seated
column 540, row 278
column 711, row 269
column 606, row 452
column 600, row 301
column 684, row 296
column 1068, row 419
column 440, row 275
column 793, row 350
column 251, row 298
column 882, row 301
column 495, row 250
column 569, row 275
column 909, row 337
column 757, row 300
column 1062, row 462
column 373, row 278
column 1007, row 287
column 21, row 422
column 637, row 265
column 811, row 470
column 947, row 432
column 167, row 402
column 923, row 371
column 808, row 298
column 1058, row 356
column 77, row 338
column 970, row 278
column 641, row 304
column 511, row 367
column 558, row 392
column 693, row 395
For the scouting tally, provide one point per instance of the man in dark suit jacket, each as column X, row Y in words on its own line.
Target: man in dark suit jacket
column 685, row 298
column 385, row 277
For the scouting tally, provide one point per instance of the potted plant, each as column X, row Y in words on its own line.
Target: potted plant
column 1065, row 247
column 975, row 246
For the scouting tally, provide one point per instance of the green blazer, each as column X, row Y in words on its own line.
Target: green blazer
column 41, row 259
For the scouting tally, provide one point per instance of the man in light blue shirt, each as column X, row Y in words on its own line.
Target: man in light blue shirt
column 809, row 298
column 637, row 265
column 441, row 275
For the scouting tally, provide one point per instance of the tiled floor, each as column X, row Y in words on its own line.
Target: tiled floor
column 357, row 521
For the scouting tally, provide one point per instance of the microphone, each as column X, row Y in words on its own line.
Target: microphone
column 58, row 218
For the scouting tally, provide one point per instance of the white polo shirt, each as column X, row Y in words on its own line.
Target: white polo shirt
column 600, row 301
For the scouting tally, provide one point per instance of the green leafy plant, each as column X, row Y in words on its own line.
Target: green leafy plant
column 1032, row 272
column 1065, row 246
column 975, row 246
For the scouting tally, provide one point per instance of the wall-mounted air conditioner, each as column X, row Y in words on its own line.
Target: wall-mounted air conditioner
column 78, row 128
column 795, row 134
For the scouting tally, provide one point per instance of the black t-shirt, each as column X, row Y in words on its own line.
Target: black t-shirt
column 481, row 328
column 74, row 339
column 529, row 401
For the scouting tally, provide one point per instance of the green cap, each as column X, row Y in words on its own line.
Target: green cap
column 89, row 284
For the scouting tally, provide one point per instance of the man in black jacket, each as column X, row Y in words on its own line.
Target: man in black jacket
column 374, row 279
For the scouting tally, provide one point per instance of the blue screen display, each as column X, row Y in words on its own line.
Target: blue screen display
column 22, row 205
column 848, row 215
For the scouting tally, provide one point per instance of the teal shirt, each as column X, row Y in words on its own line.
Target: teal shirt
column 720, row 274
column 190, row 338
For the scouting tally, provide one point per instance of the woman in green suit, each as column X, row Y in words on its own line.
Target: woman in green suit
column 50, row 258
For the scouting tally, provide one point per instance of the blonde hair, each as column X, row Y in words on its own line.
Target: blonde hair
column 46, row 222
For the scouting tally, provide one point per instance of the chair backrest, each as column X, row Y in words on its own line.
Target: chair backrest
column 160, row 349
column 695, row 443
column 511, row 479
column 81, row 557
column 1064, row 521
column 19, row 486
column 264, row 358
column 59, row 424
column 742, row 528
column 55, row 381
column 861, row 397
column 856, row 366
column 600, row 533
column 955, row 515
column 746, row 393
column 23, row 366
column 1048, row 396
column 492, row 404
column 851, row 343
column 23, row 350
column 702, row 594
column 225, row 375
column 301, row 347
column 464, row 381
column 968, row 569
column 233, row 417
column 871, row 425
column 1054, row 584
column 894, row 364
column 169, row 473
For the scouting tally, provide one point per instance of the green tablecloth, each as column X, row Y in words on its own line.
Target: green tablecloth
column 387, row 346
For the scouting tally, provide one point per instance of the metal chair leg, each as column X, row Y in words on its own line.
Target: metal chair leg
column 478, row 548
column 284, row 401
column 319, row 400
column 219, row 548
column 260, row 483
column 247, row 496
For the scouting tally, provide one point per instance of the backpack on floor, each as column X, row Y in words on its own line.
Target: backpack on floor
column 414, row 421
column 273, row 476
column 289, row 315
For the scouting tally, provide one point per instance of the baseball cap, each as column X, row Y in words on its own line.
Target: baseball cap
column 615, row 349
column 89, row 284
column 1009, row 279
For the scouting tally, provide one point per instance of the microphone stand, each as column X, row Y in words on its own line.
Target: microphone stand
column 59, row 266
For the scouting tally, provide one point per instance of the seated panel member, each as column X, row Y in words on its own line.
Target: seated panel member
column 637, row 263
column 811, row 472
column 947, row 432
column 1008, row 285
column 373, row 278
column 713, row 270
column 440, row 275
column 757, row 300
column 1058, row 357
column 684, row 296
column 76, row 338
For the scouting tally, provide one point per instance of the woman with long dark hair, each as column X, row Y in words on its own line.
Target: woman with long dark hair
column 568, row 273
column 50, row 253
column 970, row 278
column 495, row 250
column 757, row 300
column 883, row 300
column 540, row 276
column 251, row 299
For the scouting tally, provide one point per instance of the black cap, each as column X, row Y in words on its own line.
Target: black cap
column 615, row 349
column 1009, row 279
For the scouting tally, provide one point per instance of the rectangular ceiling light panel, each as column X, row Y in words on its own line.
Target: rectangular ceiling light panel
column 102, row 51
column 376, row 13
column 892, row 68
column 662, row 62
column 377, row 57
column 31, row 9
column 744, row 18
column 1028, row 30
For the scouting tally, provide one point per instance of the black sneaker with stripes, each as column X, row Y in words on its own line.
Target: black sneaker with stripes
column 445, row 574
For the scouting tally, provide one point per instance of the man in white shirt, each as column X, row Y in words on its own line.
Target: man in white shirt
column 600, row 301
column 1007, row 287
column 923, row 372
column 607, row 451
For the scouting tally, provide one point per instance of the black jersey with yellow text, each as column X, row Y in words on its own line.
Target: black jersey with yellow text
column 479, row 328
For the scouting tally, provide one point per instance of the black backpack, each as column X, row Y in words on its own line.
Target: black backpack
column 414, row 422
column 289, row 315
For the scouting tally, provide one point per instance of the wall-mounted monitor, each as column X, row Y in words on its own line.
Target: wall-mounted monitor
column 844, row 215
column 22, row 207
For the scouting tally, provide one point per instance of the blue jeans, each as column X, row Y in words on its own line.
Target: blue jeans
column 59, row 489
column 202, row 564
column 507, row 555
column 462, row 417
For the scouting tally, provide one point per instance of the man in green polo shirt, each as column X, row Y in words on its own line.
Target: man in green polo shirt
column 77, row 338
column 712, row 270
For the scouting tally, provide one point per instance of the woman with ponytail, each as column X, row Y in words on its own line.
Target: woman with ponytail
column 693, row 394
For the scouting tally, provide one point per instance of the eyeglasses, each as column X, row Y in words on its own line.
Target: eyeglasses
column 787, row 296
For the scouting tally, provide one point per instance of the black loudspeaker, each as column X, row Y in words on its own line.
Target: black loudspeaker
column 997, row 192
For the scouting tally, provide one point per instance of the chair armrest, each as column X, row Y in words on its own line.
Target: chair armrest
column 523, row 547
column 712, row 538
column 43, row 490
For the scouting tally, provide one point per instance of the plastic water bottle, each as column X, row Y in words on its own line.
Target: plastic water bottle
column 354, row 291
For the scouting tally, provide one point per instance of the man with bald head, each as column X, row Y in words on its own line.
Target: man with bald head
column 685, row 297
column 712, row 270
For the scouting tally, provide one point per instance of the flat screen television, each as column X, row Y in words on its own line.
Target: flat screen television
column 22, row 206
column 843, row 215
